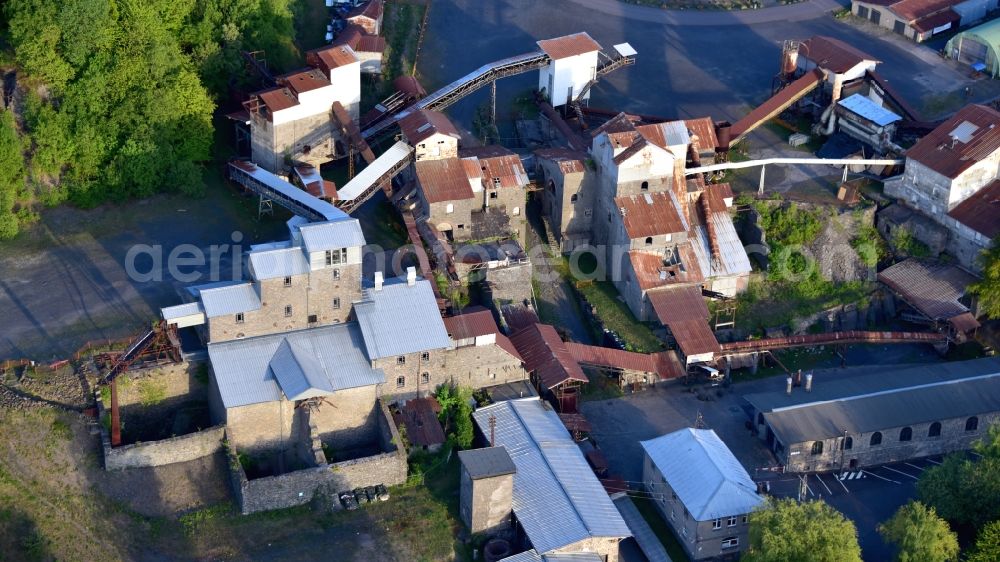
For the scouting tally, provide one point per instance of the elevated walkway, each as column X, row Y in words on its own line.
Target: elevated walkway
column 664, row 364
column 465, row 85
column 349, row 130
column 774, row 106
column 813, row 161
column 271, row 187
column 375, row 176
column 846, row 337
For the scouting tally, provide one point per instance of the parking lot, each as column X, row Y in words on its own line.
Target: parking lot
column 866, row 496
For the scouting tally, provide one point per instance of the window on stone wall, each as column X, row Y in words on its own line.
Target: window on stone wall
column 336, row 302
column 449, row 208
column 334, row 257
column 401, row 360
column 336, row 274
column 313, row 319
column 905, row 434
column 425, row 356
column 731, row 542
column 649, row 240
column 645, row 186
column 745, row 519
column 849, row 443
column 239, row 317
column 972, row 424
column 288, row 281
column 288, row 310
column 876, row 439
column 425, row 378
column 732, row 521
column 717, row 524
column 934, row 430
column 573, row 198
column 400, row 381
column 817, row 448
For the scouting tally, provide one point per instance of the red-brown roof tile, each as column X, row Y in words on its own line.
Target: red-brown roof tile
column 350, row 35
column 331, row 56
column 981, row 211
column 662, row 364
column 546, row 355
column 570, row 161
column 909, row 10
column 518, row 317
column 443, row 180
column 650, row 214
column 569, row 46
column 704, row 129
column 771, row 107
column 371, row 10
column 934, row 21
column 949, row 156
column 304, row 80
column 277, row 99
column 499, row 166
column 684, row 312
column 371, row 44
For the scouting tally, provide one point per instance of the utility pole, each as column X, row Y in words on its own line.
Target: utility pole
column 493, row 431
column 493, row 103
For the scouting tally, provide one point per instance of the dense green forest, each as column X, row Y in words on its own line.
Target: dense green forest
column 115, row 98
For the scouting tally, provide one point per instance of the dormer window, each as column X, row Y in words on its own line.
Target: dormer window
column 335, row 257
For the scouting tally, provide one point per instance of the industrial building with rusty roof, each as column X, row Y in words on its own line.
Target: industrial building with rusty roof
column 970, row 136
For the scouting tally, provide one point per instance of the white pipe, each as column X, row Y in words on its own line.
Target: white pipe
column 769, row 161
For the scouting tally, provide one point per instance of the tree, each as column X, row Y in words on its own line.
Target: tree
column 988, row 289
column 11, row 174
column 987, row 547
column 920, row 535
column 788, row 531
column 966, row 491
column 456, row 413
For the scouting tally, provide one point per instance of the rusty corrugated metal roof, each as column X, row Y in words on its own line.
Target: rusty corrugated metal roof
column 704, row 129
column 350, row 35
column 500, row 167
column 569, row 45
column 474, row 321
column 651, row 214
column 663, row 364
column 684, row 312
column 518, row 317
column 832, row 54
column 443, row 180
column 569, row 161
column 419, row 416
column 981, row 211
column 371, row 10
column 277, row 99
column 371, row 44
column 929, row 23
column 545, row 354
column 651, row 272
column 333, row 56
column 420, row 125
column 775, row 103
column 909, row 10
column 304, row 80
column 931, row 287
column 971, row 135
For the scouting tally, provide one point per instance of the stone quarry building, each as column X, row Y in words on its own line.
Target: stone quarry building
column 535, row 486
column 701, row 490
column 952, row 176
column 866, row 420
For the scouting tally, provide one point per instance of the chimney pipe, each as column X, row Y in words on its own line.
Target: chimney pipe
column 411, row 275
column 788, row 386
column 809, row 382
column 378, row 280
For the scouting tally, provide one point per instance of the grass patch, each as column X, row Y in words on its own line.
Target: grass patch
column 768, row 303
column 152, row 392
column 660, row 528
column 616, row 316
column 600, row 387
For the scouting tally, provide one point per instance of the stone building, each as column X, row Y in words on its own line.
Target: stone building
column 702, row 491
column 558, row 504
column 404, row 335
column 486, row 489
column 944, row 169
column 866, row 420
column 919, row 20
column 431, row 134
column 292, row 121
column 569, row 188
column 504, row 182
column 481, row 355
column 450, row 190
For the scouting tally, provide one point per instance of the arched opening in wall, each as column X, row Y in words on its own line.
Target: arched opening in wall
column 649, row 240
column 876, row 439
column 817, row 448
column 573, row 198
column 934, row 430
column 905, row 434
column 972, row 424
column 644, row 186
column 848, row 443
column 552, row 187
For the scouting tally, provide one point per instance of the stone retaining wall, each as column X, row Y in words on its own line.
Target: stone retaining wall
column 301, row 486
column 166, row 451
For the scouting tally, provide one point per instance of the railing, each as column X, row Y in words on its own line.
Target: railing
column 845, row 337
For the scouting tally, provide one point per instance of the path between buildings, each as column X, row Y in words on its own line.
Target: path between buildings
column 793, row 12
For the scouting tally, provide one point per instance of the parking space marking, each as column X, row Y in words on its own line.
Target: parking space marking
column 810, row 490
column 828, row 490
column 880, row 477
column 932, row 461
column 842, row 485
column 852, row 475
column 920, row 468
column 901, row 472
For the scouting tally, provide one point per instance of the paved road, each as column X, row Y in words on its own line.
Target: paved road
column 794, row 12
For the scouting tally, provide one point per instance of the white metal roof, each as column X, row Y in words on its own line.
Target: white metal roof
column 288, row 190
column 733, row 257
column 557, row 498
column 385, row 162
column 280, row 262
column 704, row 474
column 533, row 556
column 625, row 50
column 320, row 236
column 869, row 110
column 180, row 311
column 298, row 364
column 229, row 299
column 400, row 319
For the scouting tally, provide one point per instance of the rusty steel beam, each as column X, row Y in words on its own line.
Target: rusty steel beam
column 116, row 426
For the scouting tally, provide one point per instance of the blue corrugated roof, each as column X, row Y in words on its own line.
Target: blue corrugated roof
column 229, row 299
column 400, row 319
column 317, row 237
column 281, row 262
column 869, row 110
